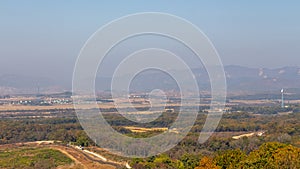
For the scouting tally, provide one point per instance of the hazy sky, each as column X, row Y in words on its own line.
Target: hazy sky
column 43, row 38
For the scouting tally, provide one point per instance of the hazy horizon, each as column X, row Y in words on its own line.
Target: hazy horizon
column 44, row 38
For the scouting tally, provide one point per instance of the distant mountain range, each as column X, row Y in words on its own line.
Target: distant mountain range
column 239, row 78
column 23, row 84
column 262, row 79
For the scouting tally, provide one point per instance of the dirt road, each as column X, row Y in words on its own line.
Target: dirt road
column 81, row 159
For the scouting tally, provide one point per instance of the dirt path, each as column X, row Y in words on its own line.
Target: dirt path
column 66, row 152
column 81, row 159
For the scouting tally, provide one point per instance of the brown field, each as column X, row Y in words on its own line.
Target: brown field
column 8, row 107
column 143, row 130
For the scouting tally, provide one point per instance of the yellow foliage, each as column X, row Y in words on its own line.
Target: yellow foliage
column 207, row 163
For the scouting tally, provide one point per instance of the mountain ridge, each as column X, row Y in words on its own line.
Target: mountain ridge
column 239, row 78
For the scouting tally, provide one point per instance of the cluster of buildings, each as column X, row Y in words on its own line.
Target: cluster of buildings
column 35, row 101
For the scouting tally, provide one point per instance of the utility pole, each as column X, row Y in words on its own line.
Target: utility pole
column 282, row 99
column 38, row 90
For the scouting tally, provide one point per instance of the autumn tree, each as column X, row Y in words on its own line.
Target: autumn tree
column 207, row 162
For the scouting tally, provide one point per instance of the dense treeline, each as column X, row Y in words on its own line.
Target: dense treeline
column 278, row 128
column 269, row 155
column 264, row 109
column 270, row 96
column 66, row 130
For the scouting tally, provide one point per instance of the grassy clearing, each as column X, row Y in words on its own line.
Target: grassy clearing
column 39, row 158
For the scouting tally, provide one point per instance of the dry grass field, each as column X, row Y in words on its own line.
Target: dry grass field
column 143, row 130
